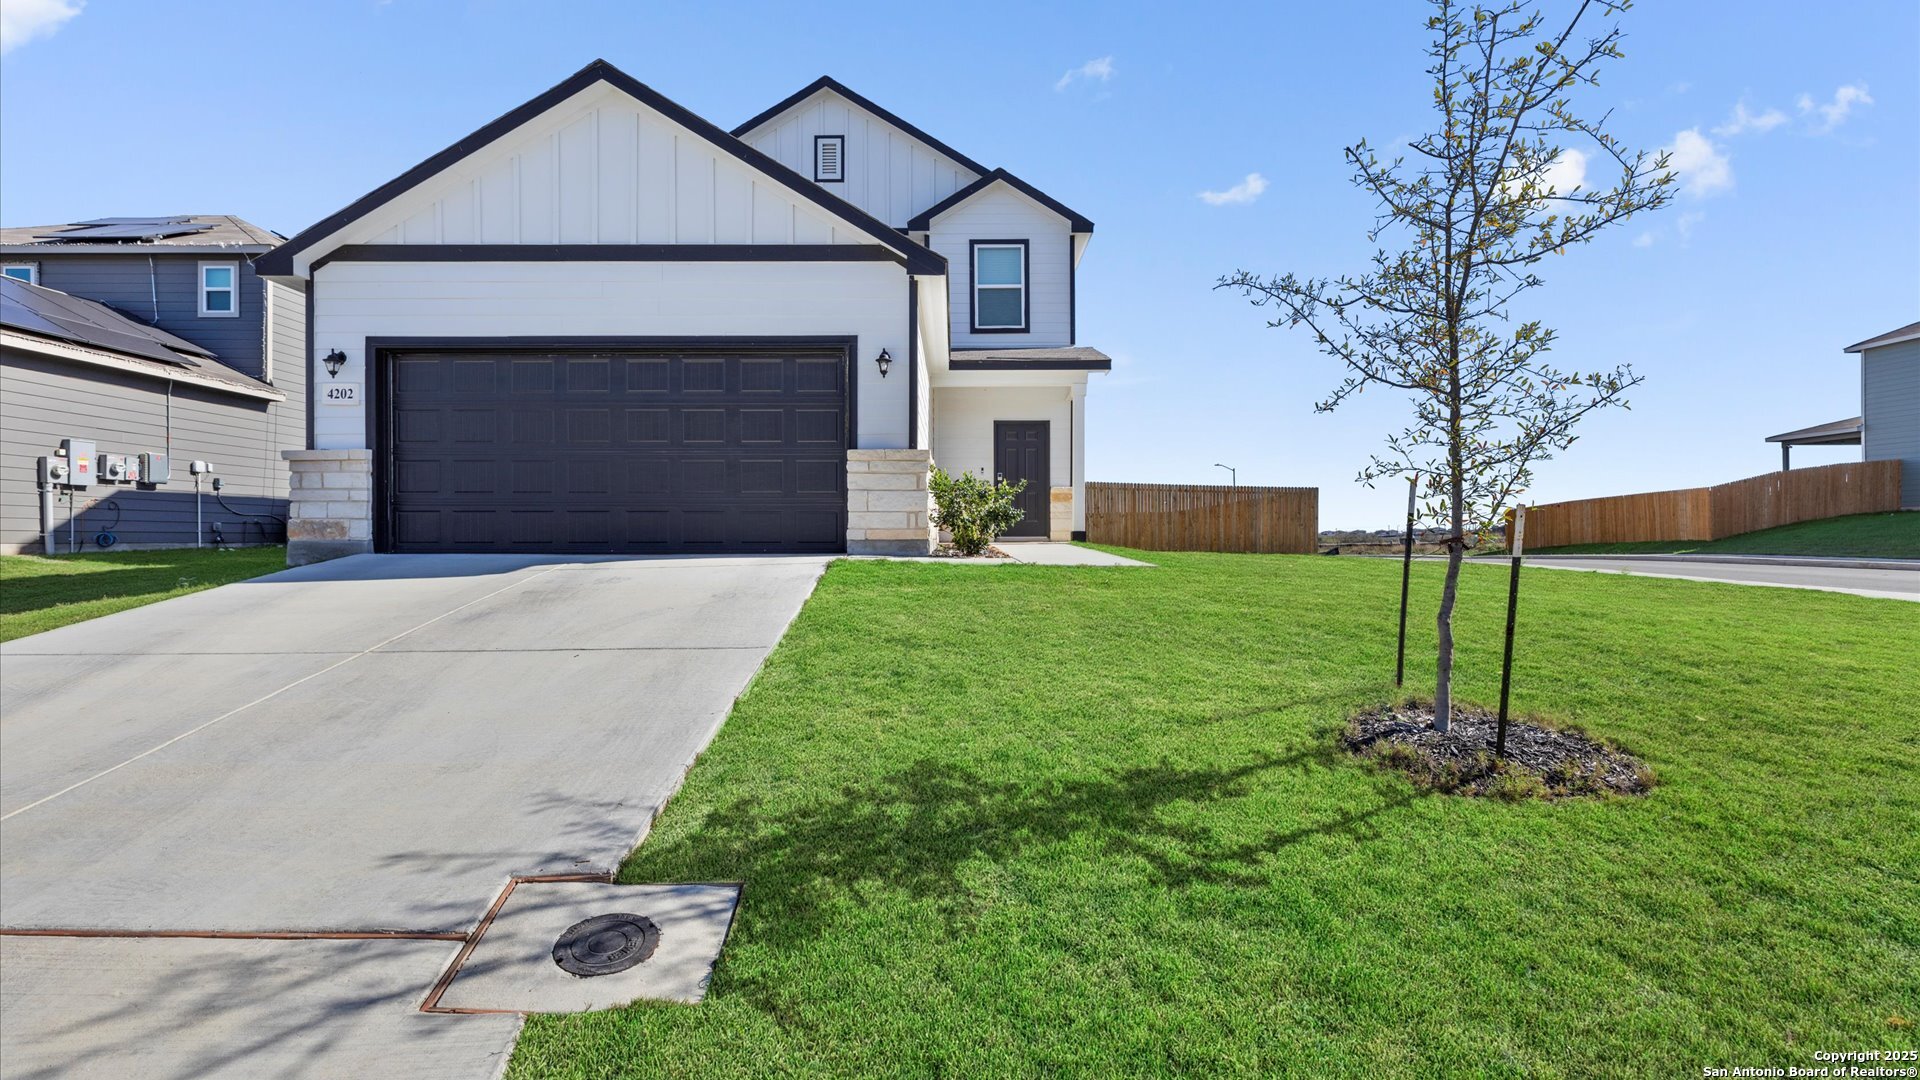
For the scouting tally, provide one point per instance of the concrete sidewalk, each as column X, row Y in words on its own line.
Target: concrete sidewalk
column 1899, row 582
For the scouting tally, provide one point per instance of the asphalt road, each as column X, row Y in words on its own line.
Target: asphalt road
column 365, row 747
column 1883, row 581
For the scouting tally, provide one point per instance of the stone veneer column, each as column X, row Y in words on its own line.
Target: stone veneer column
column 889, row 509
column 1060, row 514
column 330, row 512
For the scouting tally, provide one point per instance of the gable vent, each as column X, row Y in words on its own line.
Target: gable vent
column 829, row 158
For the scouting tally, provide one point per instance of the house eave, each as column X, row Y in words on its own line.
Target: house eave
column 103, row 358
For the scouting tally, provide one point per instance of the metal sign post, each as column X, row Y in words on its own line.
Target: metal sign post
column 1515, row 542
column 1406, row 573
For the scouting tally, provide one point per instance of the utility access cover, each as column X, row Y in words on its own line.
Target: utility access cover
column 605, row 944
column 525, row 962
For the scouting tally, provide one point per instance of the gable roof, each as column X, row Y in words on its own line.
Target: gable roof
column 1909, row 332
column 919, row 259
column 924, row 219
column 827, row 82
column 192, row 232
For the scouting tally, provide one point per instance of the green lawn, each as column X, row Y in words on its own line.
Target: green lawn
column 38, row 594
column 1034, row 822
column 1887, row 536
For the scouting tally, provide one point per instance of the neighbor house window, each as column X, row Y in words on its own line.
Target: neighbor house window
column 1000, row 285
column 26, row 272
column 829, row 158
column 219, row 289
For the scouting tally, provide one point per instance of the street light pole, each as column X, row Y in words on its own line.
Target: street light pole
column 1233, row 474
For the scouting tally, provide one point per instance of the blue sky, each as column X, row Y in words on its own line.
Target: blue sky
column 1798, row 230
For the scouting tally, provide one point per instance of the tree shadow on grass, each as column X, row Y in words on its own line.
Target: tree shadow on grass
column 916, row 831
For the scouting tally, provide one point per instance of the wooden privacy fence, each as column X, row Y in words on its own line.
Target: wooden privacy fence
column 1709, row 513
column 1201, row 517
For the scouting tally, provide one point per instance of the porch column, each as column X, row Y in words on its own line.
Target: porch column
column 1078, row 475
column 330, row 504
column 889, row 508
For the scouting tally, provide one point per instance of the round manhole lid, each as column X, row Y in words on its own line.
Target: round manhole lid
column 605, row 944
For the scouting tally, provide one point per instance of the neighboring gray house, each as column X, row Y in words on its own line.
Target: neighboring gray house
column 1888, row 427
column 147, row 336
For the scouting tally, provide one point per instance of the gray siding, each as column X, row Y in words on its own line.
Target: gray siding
column 286, row 343
column 129, row 282
column 43, row 400
column 1890, row 392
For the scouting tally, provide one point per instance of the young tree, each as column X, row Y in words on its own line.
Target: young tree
column 1494, row 191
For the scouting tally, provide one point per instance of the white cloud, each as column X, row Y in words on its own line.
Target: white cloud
column 1835, row 112
column 1099, row 70
column 23, row 20
column 1743, row 121
column 1685, row 222
column 1243, row 192
column 1702, row 168
column 1568, row 171
column 1645, row 239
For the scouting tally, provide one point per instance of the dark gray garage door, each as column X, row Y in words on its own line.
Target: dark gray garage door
column 616, row 451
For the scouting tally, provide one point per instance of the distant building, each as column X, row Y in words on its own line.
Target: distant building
column 1888, row 427
column 147, row 336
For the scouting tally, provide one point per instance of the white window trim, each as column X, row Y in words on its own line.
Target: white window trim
column 201, row 290
column 978, row 287
column 32, row 269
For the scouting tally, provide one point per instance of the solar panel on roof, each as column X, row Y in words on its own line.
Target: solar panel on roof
column 141, row 231
column 134, row 221
column 71, row 318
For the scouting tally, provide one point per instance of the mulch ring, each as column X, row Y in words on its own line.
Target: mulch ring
column 948, row 551
column 1541, row 762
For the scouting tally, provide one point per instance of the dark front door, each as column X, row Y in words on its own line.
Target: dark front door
column 1020, row 453
column 625, row 451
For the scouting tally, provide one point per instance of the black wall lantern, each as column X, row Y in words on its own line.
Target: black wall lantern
column 885, row 360
column 334, row 360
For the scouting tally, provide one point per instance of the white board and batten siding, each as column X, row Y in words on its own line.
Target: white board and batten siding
column 598, row 168
column 604, row 168
column 355, row 301
column 889, row 173
column 1000, row 213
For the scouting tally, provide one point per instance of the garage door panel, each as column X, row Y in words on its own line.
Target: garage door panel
column 670, row 450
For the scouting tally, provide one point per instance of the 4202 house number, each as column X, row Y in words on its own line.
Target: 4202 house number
column 340, row 394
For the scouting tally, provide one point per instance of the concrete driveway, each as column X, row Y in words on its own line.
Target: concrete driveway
column 353, row 757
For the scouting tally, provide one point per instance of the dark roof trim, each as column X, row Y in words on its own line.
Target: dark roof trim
column 279, row 261
column 1030, row 365
column 1908, row 332
column 827, row 82
column 1838, row 433
column 924, row 219
column 614, row 253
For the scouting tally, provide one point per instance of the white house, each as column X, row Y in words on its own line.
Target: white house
column 602, row 324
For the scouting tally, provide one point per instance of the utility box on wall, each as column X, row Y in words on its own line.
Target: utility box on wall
column 79, row 455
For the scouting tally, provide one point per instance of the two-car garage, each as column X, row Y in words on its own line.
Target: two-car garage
column 611, row 448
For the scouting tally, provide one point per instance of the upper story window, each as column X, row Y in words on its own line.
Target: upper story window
column 219, row 289
column 1000, row 286
column 829, row 158
column 27, row 272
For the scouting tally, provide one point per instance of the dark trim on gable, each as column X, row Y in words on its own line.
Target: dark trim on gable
column 827, row 82
column 842, row 178
column 1029, row 365
column 1073, row 297
column 617, row 253
column 312, row 382
column 379, row 428
column 913, row 364
column 1075, row 220
column 1026, row 288
column 279, row 261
